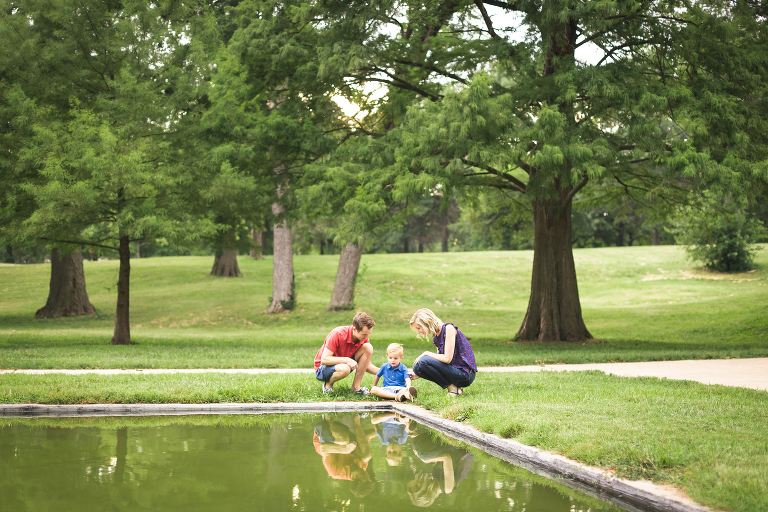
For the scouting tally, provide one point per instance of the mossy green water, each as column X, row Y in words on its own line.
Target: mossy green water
column 641, row 303
column 308, row 462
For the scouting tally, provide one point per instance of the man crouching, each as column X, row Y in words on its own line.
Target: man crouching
column 345, row 349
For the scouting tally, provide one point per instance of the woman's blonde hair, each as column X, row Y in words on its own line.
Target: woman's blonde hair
column 427, row 320
column 423, row 489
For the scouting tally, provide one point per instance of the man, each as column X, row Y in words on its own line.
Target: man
column 346, row 349
column 345, row 455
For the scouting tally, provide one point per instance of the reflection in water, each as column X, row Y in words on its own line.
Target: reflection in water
column 378, row 463
column 345, row 448
column 450, row 465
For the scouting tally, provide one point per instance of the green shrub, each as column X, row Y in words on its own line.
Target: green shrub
column 723, row 237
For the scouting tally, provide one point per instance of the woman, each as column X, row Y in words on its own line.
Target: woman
column 453, row 366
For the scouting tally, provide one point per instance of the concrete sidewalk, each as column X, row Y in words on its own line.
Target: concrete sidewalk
column 746, row 373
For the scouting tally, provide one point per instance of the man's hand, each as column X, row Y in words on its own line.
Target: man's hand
column 352, row 363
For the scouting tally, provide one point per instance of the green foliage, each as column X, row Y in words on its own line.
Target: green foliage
column 723, row 237
column 93, row 155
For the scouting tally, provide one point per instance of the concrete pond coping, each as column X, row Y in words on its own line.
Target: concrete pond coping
column 636, row 496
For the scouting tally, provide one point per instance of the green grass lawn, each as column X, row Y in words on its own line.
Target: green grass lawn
column 641, row 303
column 710, row 441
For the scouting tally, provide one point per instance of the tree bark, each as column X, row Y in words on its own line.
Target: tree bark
column 444, row 219
column 406, row 242
column 343, row 296
column 283, row 288
column 122, row 335
column 656, row 239
column 554, row 310
column 225, row 264
column 67, row 295
column 257, row 244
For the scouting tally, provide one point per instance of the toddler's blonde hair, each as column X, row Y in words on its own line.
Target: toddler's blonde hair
column 395, row 347
column 427, row 320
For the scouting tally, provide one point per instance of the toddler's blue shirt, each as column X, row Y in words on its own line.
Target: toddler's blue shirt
column 393, row 376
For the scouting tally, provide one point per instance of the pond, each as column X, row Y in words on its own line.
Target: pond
column 278, row 462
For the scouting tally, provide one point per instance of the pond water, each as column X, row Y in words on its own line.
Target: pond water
column 302, row 462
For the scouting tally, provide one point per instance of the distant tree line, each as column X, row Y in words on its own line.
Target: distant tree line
column 135, row 128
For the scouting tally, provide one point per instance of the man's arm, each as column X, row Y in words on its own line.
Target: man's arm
column 328, row 359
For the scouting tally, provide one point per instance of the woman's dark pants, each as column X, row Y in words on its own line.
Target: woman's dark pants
column 442, row 374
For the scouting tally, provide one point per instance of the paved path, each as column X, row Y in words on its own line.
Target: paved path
column 747, row 373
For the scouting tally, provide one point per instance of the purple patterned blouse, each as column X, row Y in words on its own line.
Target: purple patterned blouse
column 463, row 357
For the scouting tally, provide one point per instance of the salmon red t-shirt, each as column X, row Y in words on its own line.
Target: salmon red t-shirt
column 341, row 342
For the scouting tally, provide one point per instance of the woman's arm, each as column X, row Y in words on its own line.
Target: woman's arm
column 450, row 345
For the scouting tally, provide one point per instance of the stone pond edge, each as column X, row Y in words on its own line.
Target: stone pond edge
column 637, row 496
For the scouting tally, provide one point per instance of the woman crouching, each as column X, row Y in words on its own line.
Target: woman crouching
column 453, row 367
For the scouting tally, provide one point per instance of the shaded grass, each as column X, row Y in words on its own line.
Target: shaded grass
column 643, row 303
column 709, row 440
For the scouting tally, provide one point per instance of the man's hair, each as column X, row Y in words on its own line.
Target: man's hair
column 362, row 320
column 395, row 347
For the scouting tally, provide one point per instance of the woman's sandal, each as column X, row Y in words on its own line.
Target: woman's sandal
column 458, row 392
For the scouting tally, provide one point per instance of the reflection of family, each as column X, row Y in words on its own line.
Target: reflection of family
column 347, row 349
column 344, row 445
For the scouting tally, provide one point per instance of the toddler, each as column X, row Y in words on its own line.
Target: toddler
column 397, row 382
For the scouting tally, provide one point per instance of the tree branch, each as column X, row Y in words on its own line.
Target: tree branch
column 431, row 67
column 80, row 242
column 575, row 190
column 399, row 83
column 487, row 19
column 510, row 6
column 519, row 185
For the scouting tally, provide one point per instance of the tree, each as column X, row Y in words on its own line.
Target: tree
column 67, row 295
column 272, row 102
column 104, row 84
column 677, row 98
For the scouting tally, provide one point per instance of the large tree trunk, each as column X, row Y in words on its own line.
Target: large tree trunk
column 67, row 295
column 554, row 310
column 283, row 290
column 225, row 264
column 122, row 335
column 343, row 296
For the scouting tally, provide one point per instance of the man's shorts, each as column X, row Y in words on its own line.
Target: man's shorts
column 323, row 373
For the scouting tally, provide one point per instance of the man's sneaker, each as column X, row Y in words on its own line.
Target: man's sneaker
column 327, row 390
column 362, row 391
